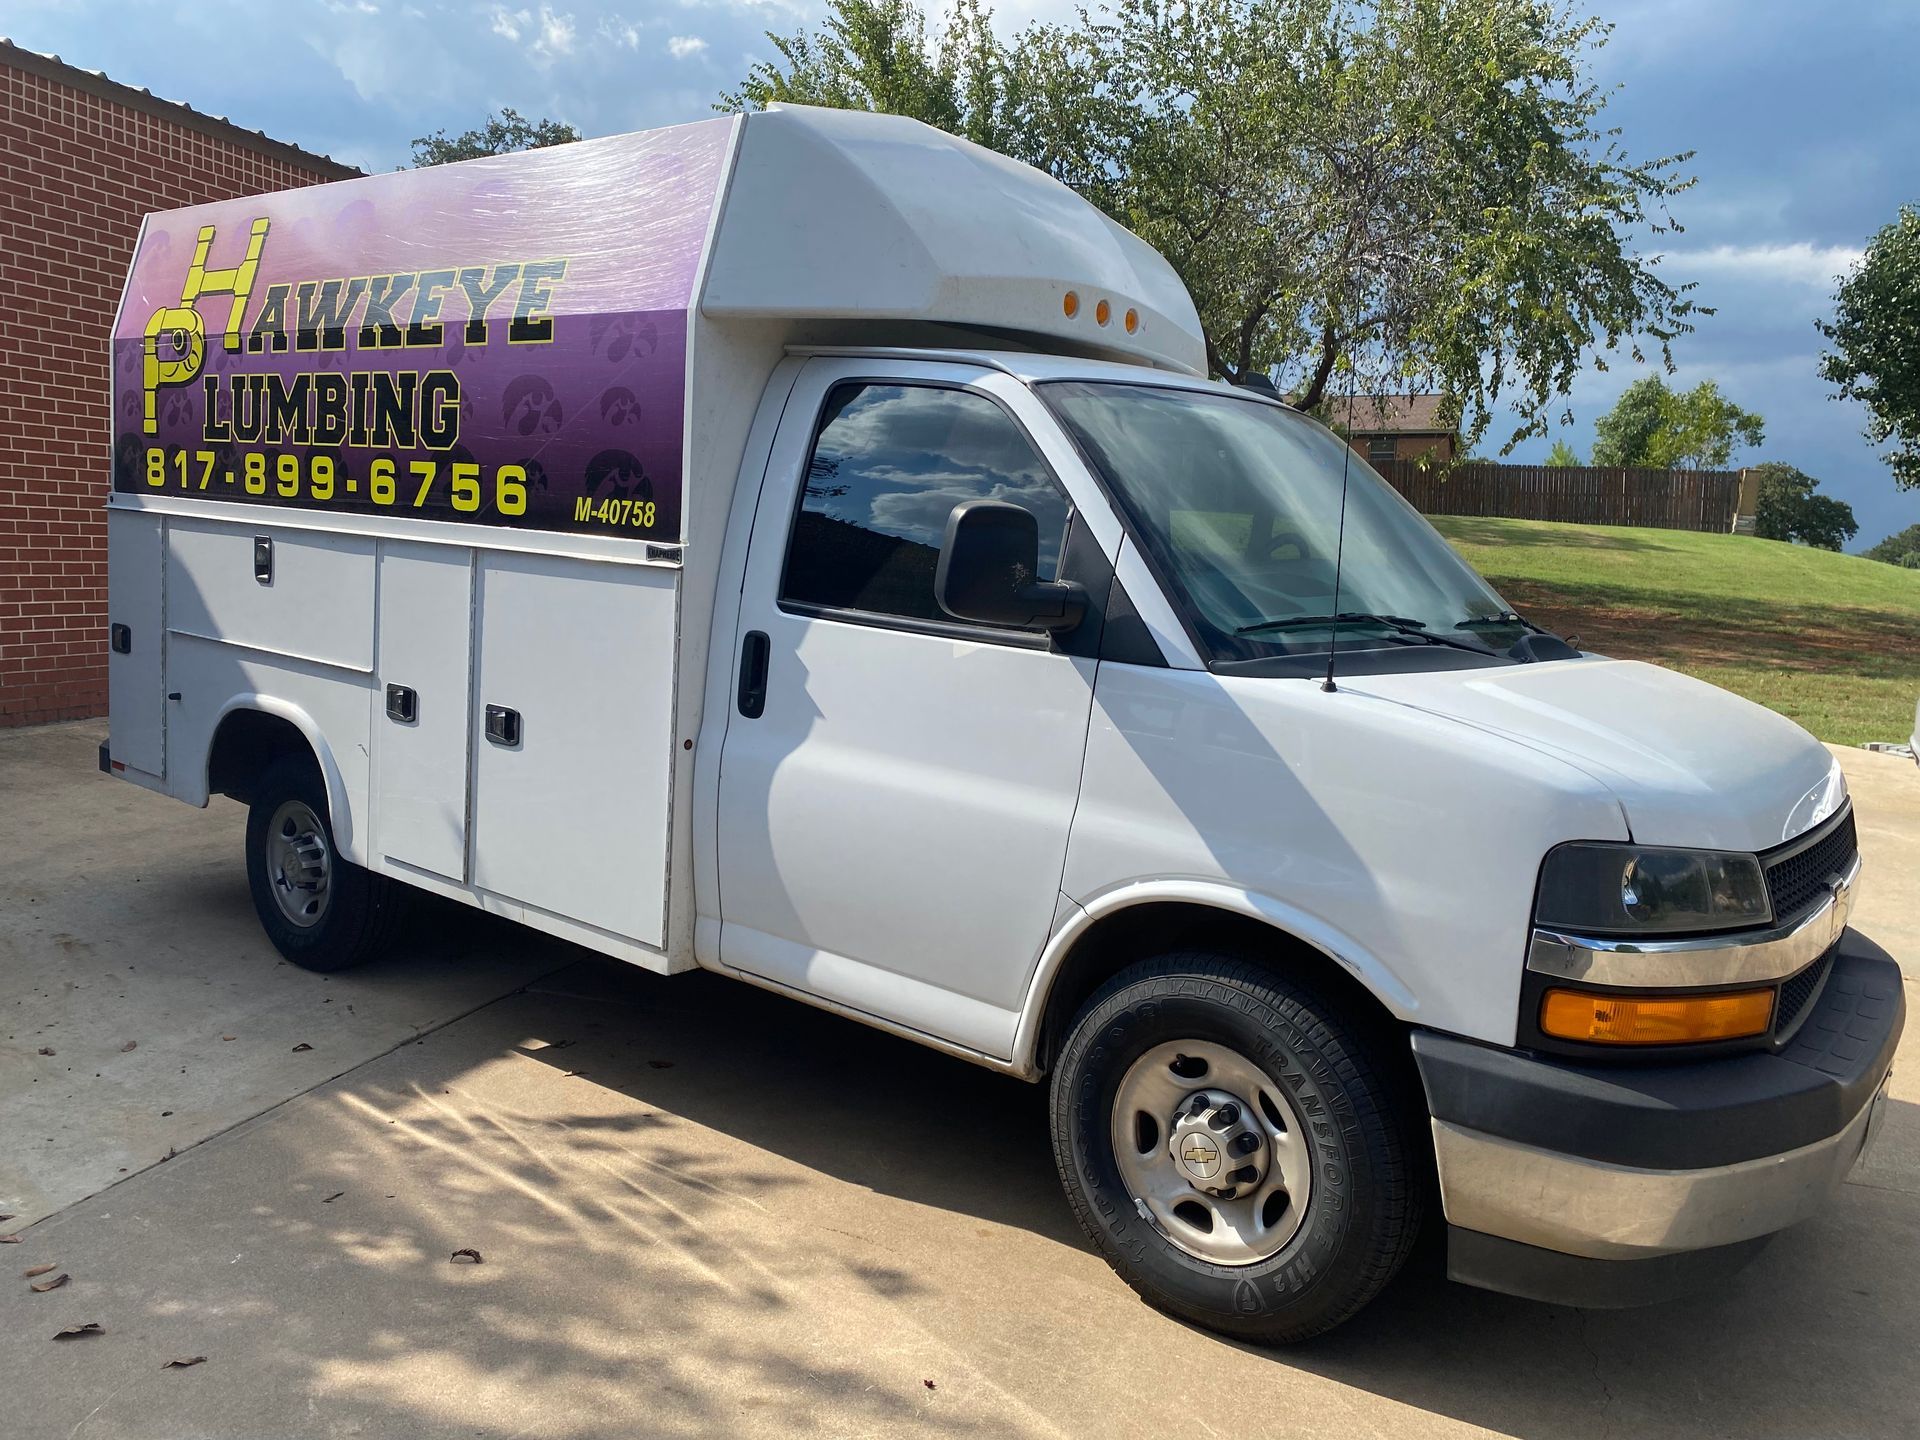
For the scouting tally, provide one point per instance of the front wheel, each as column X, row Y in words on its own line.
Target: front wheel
column 1230, row 1145
column 320, row 910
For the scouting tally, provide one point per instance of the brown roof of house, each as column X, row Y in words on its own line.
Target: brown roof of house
column 95, row 83
column 1391, row 415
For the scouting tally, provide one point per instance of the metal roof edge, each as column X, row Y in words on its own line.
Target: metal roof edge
column 94, row 82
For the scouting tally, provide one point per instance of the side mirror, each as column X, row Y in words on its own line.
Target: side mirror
column 989, row 571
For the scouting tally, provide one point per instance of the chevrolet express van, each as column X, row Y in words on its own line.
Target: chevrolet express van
column 805, row 546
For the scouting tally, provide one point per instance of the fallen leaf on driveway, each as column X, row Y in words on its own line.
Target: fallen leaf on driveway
column 74, row 1332
column 130, row 1045
column 40, row 1287
column 185, row 1363
column 39, row 1269
column 301, row 1046
column 9, row 1239
column 229, row 1037
column 928, row 1383
column 46, row 1049
column 333, row 1197
column 469, row 1252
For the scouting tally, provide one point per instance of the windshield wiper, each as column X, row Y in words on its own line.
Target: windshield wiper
column 1345, row 617
column 1504, row 620
column 1399, row 624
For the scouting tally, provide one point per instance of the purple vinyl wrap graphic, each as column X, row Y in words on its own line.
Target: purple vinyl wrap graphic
column 498, row 342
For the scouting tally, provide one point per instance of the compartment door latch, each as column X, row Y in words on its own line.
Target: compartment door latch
column 503, row 726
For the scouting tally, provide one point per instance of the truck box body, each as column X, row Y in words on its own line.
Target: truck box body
column 807, row 546
column 494, row 414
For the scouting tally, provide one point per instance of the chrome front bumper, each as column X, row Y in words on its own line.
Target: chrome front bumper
column 1618, row 1212
column 1621, row 1184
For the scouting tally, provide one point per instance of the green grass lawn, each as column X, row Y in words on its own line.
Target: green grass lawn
column 1832, row 641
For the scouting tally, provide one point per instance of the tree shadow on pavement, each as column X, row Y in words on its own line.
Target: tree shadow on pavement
column 1813, row 1338
column 704, row 1209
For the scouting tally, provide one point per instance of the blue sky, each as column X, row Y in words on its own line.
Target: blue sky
column 1803, row 117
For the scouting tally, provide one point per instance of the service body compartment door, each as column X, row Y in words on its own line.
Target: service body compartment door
column 573, row 738
column 422, row 705
column 136, row 706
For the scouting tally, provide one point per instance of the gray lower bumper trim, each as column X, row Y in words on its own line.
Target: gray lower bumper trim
column 1535, row 1274
column 1615, row 1212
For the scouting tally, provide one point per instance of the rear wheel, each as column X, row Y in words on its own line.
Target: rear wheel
column 1231, row 1146
column 320, row 910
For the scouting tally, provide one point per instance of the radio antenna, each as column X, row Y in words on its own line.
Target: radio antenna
column 1340, row 545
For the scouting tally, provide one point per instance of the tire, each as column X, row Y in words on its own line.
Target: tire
column 1270, row 1270
column 320, row 910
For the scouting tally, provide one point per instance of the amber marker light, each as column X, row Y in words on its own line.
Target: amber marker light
column 1133, row 321
column 1102, row 313
column 1071, row 304
column 1633, row 1020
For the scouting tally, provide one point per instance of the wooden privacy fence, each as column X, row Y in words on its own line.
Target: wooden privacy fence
column 1578, row 494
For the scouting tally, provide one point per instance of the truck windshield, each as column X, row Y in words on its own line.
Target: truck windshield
column 1238, row 500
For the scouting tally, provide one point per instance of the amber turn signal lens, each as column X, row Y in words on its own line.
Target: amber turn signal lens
column 1102, row 313
column 1133, row 321
column 1071, row 304
column 1630, row 1020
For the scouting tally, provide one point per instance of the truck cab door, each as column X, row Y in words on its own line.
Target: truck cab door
column 896, row 787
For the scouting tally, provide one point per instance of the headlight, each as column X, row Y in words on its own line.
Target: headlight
column 1631, row 889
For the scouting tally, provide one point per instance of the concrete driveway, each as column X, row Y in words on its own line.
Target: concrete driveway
column 701, row 1209
column 143, row 1009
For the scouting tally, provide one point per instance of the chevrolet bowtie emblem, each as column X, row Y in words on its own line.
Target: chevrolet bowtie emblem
column 1199, row 1152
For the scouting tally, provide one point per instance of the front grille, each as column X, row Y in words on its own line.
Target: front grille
column 1798, row 990
column 1799, row 878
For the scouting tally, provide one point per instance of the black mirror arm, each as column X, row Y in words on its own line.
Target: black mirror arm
column 1056, row 604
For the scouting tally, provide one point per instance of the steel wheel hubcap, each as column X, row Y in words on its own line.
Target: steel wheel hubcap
column 299, row 863
column 1212, row 1152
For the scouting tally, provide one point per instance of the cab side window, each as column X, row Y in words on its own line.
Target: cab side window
column 889, row 463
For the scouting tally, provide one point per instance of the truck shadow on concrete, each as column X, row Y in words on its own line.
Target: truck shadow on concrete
column 1816, row 1337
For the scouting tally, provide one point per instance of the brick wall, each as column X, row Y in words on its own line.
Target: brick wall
column 81, row 161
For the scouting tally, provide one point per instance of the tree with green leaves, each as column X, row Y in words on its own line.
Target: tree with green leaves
column 1420, row 193
column 1624, row 435
column 1900, row 548
column 1875, row 333
column 880, row 55
column 1656, row 426
column 500, row 135
column 1788, row 509
column 1562, row 455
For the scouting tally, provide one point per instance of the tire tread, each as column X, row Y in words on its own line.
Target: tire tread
column 370, row 906
column 1399, row 1195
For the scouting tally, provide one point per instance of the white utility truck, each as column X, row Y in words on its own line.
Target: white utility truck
column 807, row 546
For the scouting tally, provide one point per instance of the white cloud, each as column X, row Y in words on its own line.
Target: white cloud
column 549, row 34
column 616, row 31
column 556, row 34
column 1814, row 266
column 681, row 46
